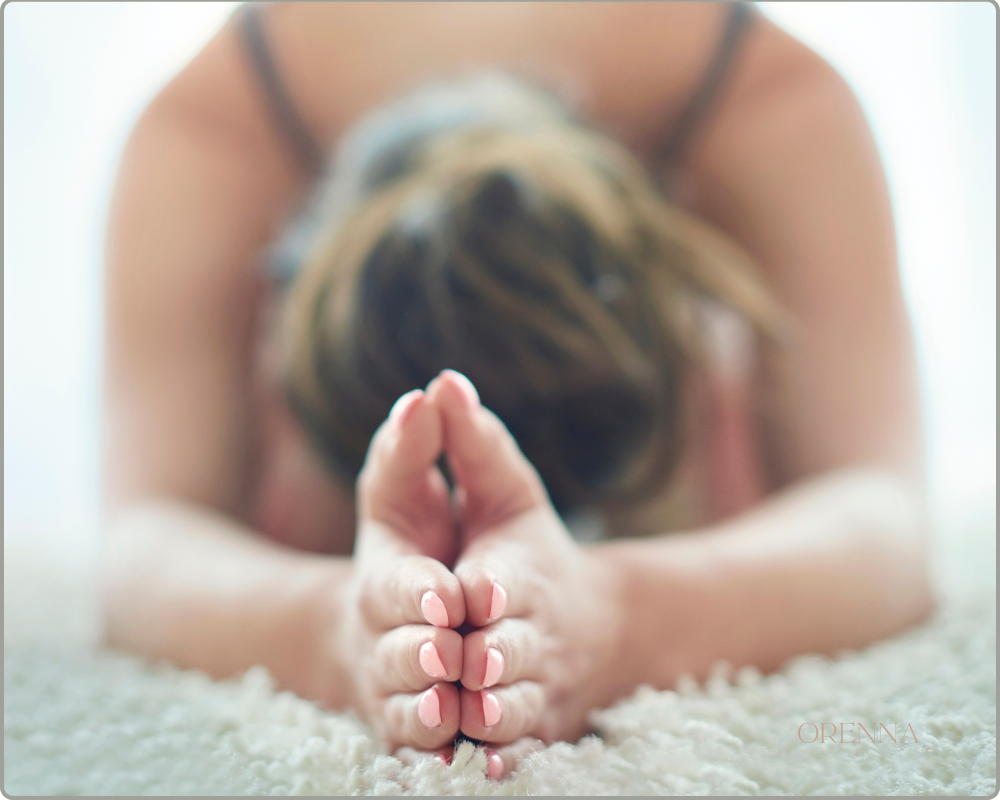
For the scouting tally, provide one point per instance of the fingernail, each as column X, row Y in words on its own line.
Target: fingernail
column 465, row 385
column 494, row 666
column 430, row 661
column 498, row 603
column 429, row 708
column 494, row 767
column 491, row 709
column 433, row 609
column 403, row 408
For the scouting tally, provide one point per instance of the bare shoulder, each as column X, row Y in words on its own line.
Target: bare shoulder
column 786, row 109
column 789, row 157
column 790, row 169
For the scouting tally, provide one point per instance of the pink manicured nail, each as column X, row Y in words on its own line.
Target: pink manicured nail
column 494, row 767
column 433, row 609
column 498, row 602
column 429, row 708
column 465, row 385
column 403, row 408
column 430, row 661
column 491, row 709
column 494, row 666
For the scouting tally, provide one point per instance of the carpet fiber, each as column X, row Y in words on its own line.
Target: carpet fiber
column 80, row 720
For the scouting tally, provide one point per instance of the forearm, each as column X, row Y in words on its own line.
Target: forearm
column 184, row 584
column 833, row 563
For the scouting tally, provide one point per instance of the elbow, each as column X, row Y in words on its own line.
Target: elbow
column 896, row 536
column 916, row 599
column 883, row 518
column 114, row 596
column 124, row 576
column 910, row 599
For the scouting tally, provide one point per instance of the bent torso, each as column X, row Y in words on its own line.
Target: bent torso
column 296, row 500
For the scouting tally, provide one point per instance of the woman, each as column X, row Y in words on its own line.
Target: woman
column 768, row 455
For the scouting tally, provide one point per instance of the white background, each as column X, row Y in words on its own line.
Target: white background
column 77, row 75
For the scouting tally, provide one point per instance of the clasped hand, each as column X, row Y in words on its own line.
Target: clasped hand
column 540, row 616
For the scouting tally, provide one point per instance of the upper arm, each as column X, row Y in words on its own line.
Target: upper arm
column 202, row 184
column 793, row 174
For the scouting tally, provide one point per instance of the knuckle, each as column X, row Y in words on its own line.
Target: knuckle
column 421, row 562
column 391, row 661
column 437, row 577
column 408, row 663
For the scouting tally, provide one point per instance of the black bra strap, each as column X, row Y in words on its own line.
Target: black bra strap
column 251, row 32
column 310, row 155
column 740, row 15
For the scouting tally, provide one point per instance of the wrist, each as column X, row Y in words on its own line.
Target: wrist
column 622, row 670
column 665, row 602
column 323, row 633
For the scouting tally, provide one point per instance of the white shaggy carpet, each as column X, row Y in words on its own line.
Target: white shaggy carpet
column 79, row 720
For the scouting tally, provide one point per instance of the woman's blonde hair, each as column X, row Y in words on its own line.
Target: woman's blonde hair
column 530, row 253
